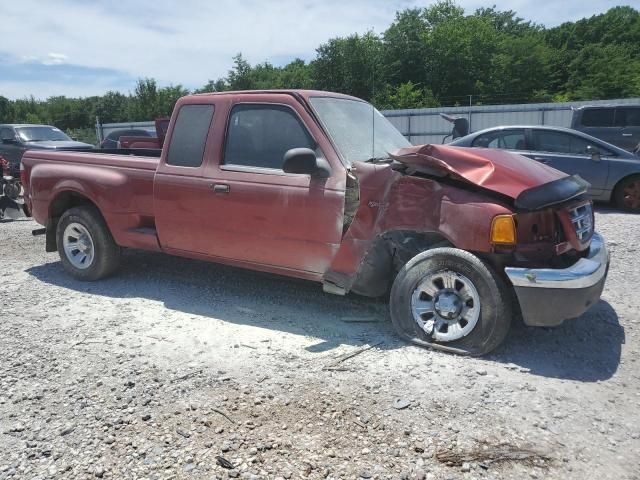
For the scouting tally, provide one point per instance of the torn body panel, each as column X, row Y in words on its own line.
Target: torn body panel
column 447, row 196
column 400, row 215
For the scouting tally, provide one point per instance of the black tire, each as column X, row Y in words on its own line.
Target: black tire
column 623, row 198
column 106, row 258
column 495, row 301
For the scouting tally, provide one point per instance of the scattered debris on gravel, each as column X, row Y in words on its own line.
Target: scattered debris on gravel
column 181, row 369
column 486, row 453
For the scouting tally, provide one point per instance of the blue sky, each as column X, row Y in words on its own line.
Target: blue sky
column 80, row 48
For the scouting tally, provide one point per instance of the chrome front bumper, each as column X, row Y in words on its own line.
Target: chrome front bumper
column 548, row 296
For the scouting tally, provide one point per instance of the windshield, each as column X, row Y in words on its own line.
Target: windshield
column 40, row 134
column 359, row 131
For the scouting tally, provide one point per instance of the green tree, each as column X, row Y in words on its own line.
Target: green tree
column 462, row 49
column 6, row 110
column 66, row 113
column 211, row 86
column 167, row 98
column 145, row 102
column 405, row 95
column 351, row 65
column 296, row 74
column 405, row 48
column 507, row 21
column 113, row 107
column 519, row 68
column 28, row 108
column 442, row 11
column 239, row 77
column 604, row 71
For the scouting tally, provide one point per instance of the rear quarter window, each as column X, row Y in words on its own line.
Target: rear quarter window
column 189, row 136
column 628, row 117
column 597, row 117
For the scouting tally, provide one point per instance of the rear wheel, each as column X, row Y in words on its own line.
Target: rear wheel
column 448, row 298
column 627, row 194
column 85, row 245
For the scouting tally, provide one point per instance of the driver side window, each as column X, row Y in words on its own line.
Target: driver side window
column 260, row 135
column 503, row 139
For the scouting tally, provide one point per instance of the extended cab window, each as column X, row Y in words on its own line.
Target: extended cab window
column 260, row 135
column 504, row 139
column 186, row 148
column 597, row 117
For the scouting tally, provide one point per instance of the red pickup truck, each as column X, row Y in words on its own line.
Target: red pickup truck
column 321, row 186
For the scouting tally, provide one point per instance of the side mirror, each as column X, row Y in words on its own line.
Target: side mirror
column 304, row 160
column 594, row 152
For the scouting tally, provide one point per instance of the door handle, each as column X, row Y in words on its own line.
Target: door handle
column 541, row 159
column 220, row 188
column 627, row 134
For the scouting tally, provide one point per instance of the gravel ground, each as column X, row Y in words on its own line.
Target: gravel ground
column 182, row 369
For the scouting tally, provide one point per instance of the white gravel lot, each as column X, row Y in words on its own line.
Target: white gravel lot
column 172, row 363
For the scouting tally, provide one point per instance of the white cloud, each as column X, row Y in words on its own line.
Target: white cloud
column 55, row 59
column 191, row 41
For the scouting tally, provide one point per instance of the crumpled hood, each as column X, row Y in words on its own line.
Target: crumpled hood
column 50, row 144
column 503, row 172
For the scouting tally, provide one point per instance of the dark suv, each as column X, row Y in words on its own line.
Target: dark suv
column 16, row 139
column 616, row 124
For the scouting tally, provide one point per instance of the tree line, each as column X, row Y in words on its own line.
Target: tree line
column 427, row 57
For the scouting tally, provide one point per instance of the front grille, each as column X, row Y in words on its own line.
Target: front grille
column 582, row 221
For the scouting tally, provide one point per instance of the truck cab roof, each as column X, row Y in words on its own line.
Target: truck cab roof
column 296, row 92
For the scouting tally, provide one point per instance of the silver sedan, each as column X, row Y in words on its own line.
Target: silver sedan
column 614, row 173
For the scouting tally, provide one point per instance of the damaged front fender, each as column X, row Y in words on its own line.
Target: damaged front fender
column 399, row 216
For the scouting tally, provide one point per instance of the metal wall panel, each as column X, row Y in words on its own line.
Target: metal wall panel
column 425, row 125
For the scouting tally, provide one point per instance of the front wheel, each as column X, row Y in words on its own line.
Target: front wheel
column 85, row 245
column 448, row 298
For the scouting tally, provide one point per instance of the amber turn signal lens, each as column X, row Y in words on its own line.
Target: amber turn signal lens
column 503, row 230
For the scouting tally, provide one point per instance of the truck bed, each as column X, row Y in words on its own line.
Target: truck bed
column 143, row 159
column 119, row 181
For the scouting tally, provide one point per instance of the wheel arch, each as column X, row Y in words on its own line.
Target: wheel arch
column 388, row 253
column 63, row 201
column 619, row 183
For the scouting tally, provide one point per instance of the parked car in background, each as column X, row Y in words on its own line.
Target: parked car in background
column 614, row 173
column 149, row 143
column 111, row 140
column 16, row 139
column 615, row 124
column 302, row 183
